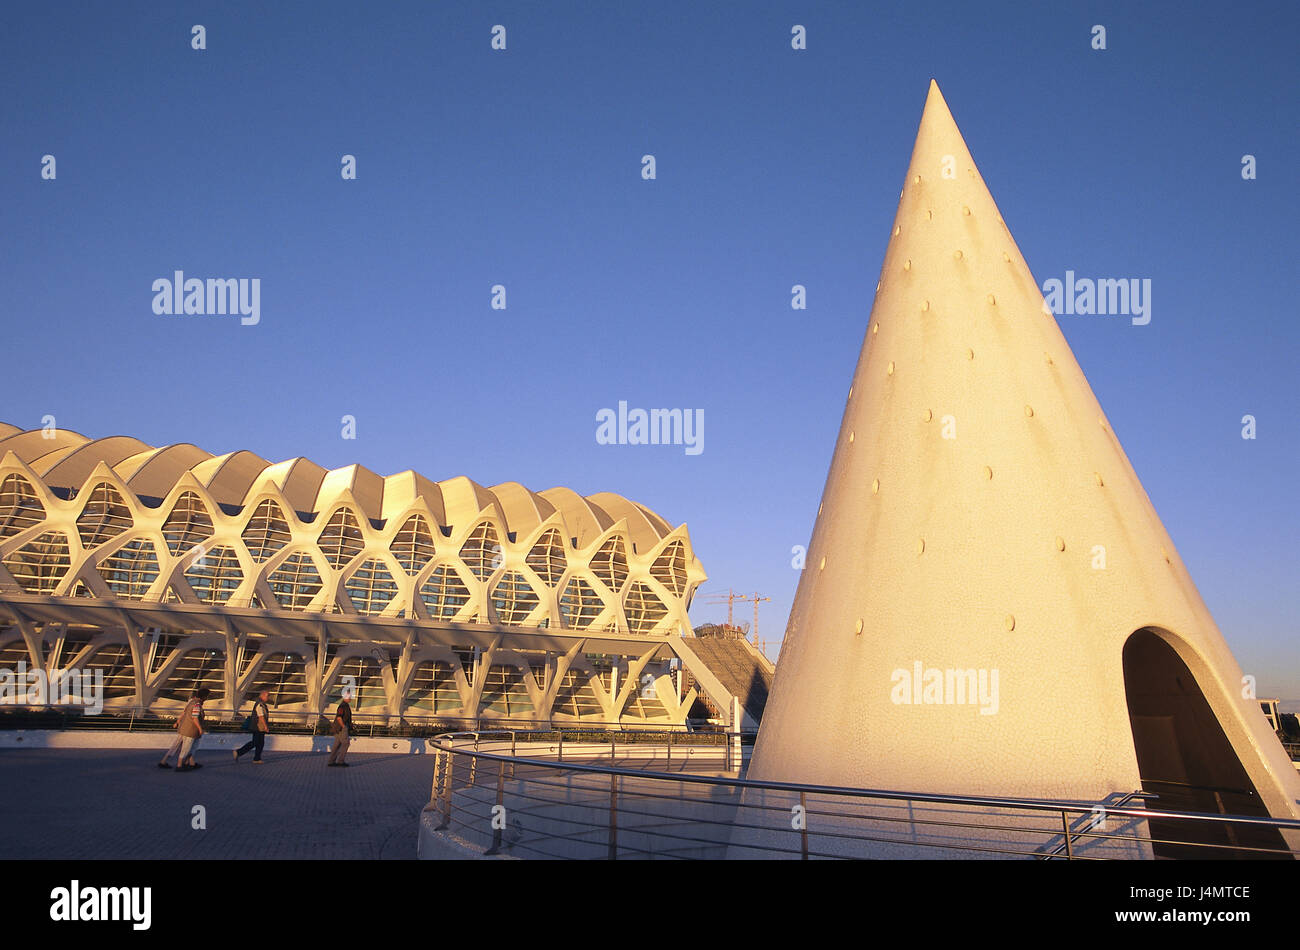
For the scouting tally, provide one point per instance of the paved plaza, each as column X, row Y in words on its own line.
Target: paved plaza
column 107, row 803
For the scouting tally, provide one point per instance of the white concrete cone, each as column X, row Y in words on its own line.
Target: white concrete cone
column 973, row 487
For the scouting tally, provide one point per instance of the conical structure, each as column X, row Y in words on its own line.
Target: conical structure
column 980, row 516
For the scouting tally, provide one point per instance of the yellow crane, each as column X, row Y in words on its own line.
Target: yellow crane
column 730, row 598
column 754, row 629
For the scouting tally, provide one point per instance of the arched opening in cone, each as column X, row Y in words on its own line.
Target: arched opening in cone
column 1185, row 757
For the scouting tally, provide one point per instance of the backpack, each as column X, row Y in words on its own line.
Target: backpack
column 250, row 722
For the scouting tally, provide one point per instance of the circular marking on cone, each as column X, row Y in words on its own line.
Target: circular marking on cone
column 875, row 486
column 927, row 415
column 875, row 328
column 956, row 255
column 1006, row 257
column 850, row 436
column 1029, row 411
column 988, row 473
column 1049, row 359
column 920, row 545
column 1060, row 543
column 965, row 209
column 925, row 306
column 897, row 228
column 916, row 179
column 822, row 566
column 889, row 370
column 1100, row 483
column 907, row 265
column 991, row 299
column 858, row 631
column 970, row 354
column 1010, row 622
column 929, row 215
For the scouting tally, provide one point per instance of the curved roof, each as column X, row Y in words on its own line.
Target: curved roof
column 65, row 459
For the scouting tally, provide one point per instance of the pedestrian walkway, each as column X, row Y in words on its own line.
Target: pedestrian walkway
column 101, row 803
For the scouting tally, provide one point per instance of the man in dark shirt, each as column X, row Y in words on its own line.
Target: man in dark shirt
column 261, row 726
column 342, row 729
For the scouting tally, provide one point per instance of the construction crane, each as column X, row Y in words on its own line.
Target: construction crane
column 730, row 598
column 754, row 630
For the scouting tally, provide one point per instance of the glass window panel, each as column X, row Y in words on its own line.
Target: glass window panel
column 20, row 508
column 40, row 564
column 104, row 516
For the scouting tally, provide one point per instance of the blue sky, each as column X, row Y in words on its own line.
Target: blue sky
column 774, row 167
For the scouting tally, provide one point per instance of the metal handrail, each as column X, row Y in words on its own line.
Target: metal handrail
column 1034, row 804
column 447, row 746
column 1070, row 837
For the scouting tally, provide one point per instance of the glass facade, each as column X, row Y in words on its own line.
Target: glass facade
column 103, row 517
column 188, row 525
column 286, row 583
column 39, row 565
column 130, row 570
column 266, row 531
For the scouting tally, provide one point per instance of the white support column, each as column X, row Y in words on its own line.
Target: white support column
column 230, row 675
column 733, row 739
column 32, row 638
column 617, row 706
column 144, row 693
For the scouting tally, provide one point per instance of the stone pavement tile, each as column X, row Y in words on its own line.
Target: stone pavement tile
column 101, row 803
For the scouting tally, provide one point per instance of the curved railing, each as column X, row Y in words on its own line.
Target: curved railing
column 530, row 793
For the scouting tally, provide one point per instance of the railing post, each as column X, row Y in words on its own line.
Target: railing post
column 496, row 832
column 512, row 754
column 670, row 747
column 613, row 818
column 559, row 757
column 435, row 793
column 1069, row 846
column 1228, row 829
column 448, row 764
column 803, row 830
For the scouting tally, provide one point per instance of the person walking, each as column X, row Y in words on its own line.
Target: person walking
column 342, row 728
column 189, row 729
column 261, row 725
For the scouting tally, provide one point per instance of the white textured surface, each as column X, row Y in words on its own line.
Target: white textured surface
column 968, row 337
